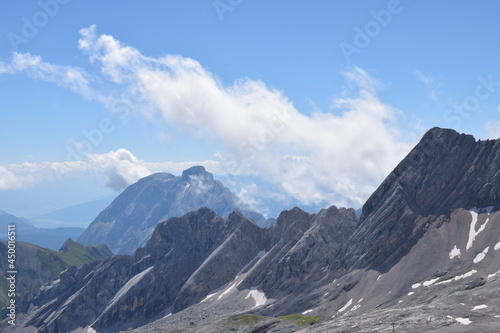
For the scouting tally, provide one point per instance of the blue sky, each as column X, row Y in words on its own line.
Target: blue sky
column 317, row 100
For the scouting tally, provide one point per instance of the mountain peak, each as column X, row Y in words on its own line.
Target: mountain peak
column 444, row 135
column 66, row 246
column 130, row 219
column 196, row 170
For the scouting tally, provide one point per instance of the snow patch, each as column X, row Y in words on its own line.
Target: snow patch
column 416, row 285
column 411, row 293
column 472, row 231
column 361, row 300
column 227, row 291
column 481, row 255
column 126, row 288
column 258, row 296
column 463, row 321
column 430, row 282
column 497, row 246
column 354, row 308
column 231, row 285
column 493, row 275
column 379, row 277
column 327, row 293
column 479, row 307
column 455, row 252
column 306, row 312
column 346, row 306
column 459, row 277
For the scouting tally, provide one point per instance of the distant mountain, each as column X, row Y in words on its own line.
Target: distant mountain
column 36, row 265
column 46, row 238
column 50, row 238
column 132, row 217
column 23, row 225
column 423, row 256
column 77, row 215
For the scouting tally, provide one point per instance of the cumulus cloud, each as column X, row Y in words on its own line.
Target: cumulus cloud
column 118, row 168
column 337, row 156
column 121, row 168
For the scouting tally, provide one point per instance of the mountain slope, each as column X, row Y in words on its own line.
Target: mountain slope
column 37, row 265
column 425, row 255
column 22, row 225
column 131, row 218
column 420, row 245
column 76, row 215
column 166, row 274
column 445, row 171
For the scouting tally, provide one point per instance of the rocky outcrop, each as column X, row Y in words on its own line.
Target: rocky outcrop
column 445, row 171
column 183, row 261
column 302, row 249
column 418, row 231
column 130, row 220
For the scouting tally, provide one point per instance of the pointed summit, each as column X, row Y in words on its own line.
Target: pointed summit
column 131, row 218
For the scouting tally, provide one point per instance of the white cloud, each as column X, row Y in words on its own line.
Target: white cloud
column 65, row 76
column 121, row 168
column 118, row 168
column 337, row 156
column 25, row 175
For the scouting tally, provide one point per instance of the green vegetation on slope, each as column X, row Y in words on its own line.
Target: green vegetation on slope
column 300, row 319
column 37, row 265
column 247, row 319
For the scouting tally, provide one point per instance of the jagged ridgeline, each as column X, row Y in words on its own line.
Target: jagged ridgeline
column 424, row 256
column 37, row 265
column 131, row 218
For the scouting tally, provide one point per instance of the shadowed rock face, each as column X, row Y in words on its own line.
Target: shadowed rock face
column 183, row 261
column 129, row 221
column 304, row 247
column 445, row 171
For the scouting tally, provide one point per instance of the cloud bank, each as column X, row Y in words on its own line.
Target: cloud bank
column 118, row 169
column 336, row 156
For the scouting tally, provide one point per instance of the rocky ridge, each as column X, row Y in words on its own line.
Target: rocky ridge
column 129, row 221
column 424, row 255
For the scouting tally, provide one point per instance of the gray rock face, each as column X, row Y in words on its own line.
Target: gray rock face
column 130, row 220
column 302, row 250
column 445, row 171
column 183, row 261
column 418, row 250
